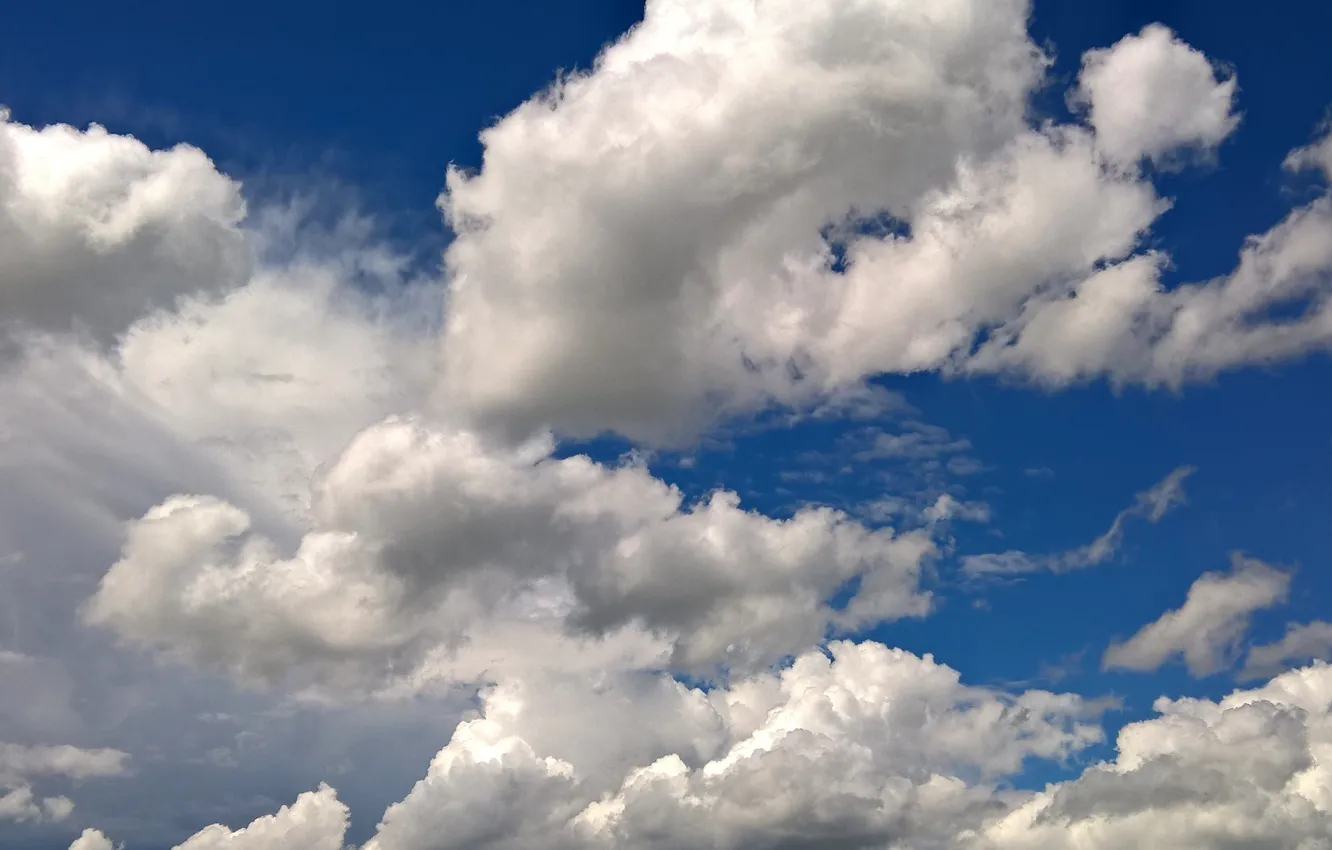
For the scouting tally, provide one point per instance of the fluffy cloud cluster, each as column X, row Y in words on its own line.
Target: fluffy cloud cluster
column 97, row 229
column 420, row 533
column 867, row 747
column 1252, row 770
column 844, row 201
column 21, row 765
column 740, row 205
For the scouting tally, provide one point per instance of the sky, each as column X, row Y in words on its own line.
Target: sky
column 708, row 424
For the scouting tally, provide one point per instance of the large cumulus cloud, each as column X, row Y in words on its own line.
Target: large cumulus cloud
column 420, row 533
column 851, row 189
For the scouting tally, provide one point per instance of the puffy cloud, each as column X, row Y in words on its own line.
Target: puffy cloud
column 842, row 206
column 97, row 229
column 421, row 531
column 21, row 764
column 1121, row 322
column 739, row 205
column 1302, row 642
column 748, row 129
column 316, row 821
column 1151, row 504
column 92, row 839
column 18, row 803
column 1151, row 94
column 18, row 761
column 865, row 746
column 1250, row 770
column 1206, row 630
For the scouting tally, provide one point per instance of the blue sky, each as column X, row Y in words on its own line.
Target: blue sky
column 363, row 111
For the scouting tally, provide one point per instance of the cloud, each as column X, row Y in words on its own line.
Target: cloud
column 1151, row 94
column 1250, row 770
column 97, row 229
column 1316, row 156
column 748, row 130
column 92, row 839
column 316, row 821
column 420, row 533
column 865, row 746
column 861, row 748
column 844, row 206
column 1205, row 632
column 1302, row 642
column 740, row 206
column 1151, row 504
column 19, row 765
column 25, row 761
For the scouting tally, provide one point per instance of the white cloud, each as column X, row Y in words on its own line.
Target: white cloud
column 19, row 765
column 1207, row 629
column 1151, row 504
column 18, row 761
column 92, row 839
column 97, row 229
column 1151, row 94
column 1316, row 156
column 420, row 533
column 1251, row 770
column 870, row 747
column 683, row 232
column 1302, row 642
column 316, row 821
column 771, row 140
column 867, row 747
column 747, row 129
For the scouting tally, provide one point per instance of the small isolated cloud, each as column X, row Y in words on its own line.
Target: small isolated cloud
column 1206, row 631
column 1151, row 504
column 1150, row 95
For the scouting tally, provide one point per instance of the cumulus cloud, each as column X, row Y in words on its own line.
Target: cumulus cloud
column 864, row 746
column 1250, row 770
column 1206, row 630
column 1151, row 504
column 316, row 821
column 20, row 765
column 74, row 762
column 1302, row 642
column 1151, row 94
column 806, row 254
column 97, row 229
column 740, row 205
column 748, row 129
column 92, row 839
column 421, row 532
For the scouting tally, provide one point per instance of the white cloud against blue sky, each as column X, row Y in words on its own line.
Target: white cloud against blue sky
column 708, row 424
